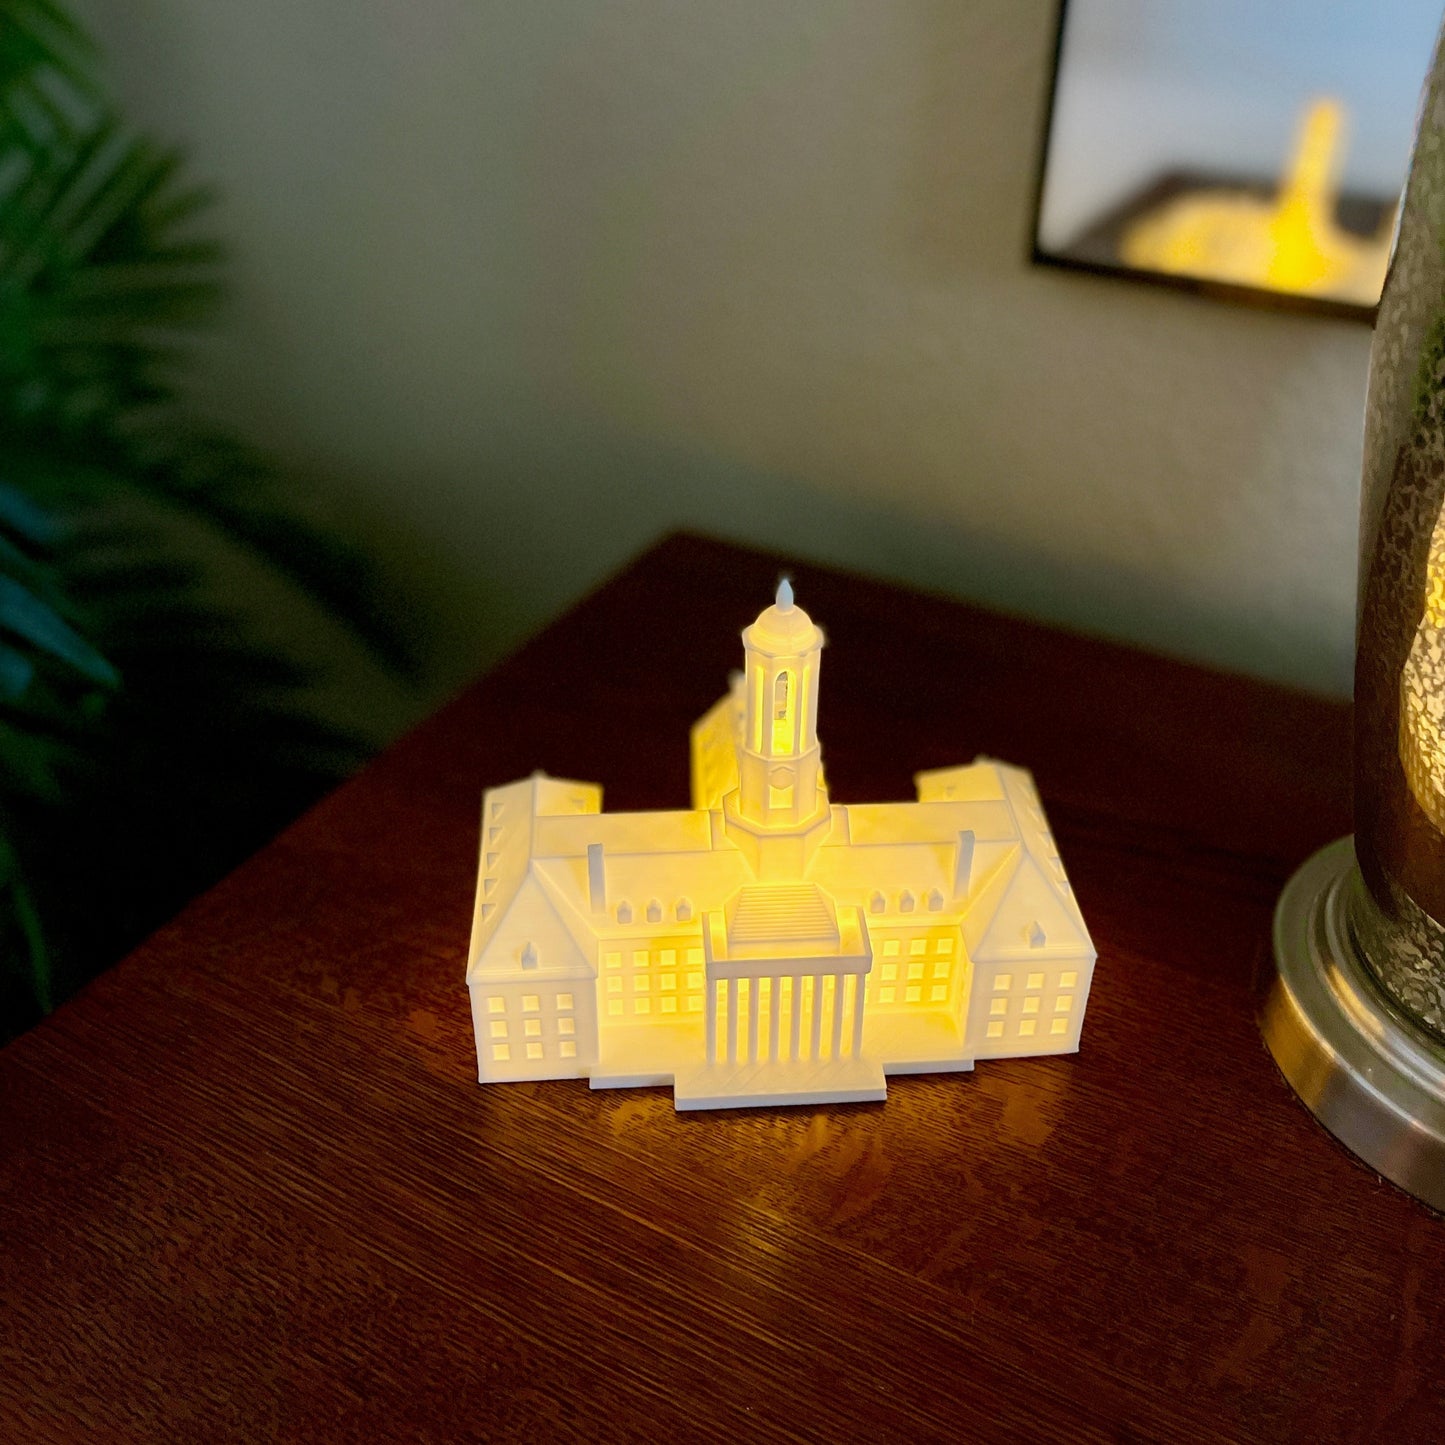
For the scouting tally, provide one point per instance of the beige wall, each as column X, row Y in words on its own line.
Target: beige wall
column 528, row 283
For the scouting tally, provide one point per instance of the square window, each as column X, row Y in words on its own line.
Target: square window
column 639, row 958
column 501, row 1053
column 995, row 1031
column 1063, row 1003
column 1026, row 1028
column 564, row 1000
column 694, row 1005
column 915, row 970
column 885, row 995
column 534, row 1051
column 940, row 970
column 1002, row 982
column 938, row 992
column 890, row 948
column 1069, row 979
column 917, row 946
column 669, row 1005
column 890, row 971
column 499, row 1029
column 694, row 957
column 694, row 980
column 530, row 1003
column 668, row 958
column 912, row 993
column 945, row 945
column 999, row 1007
column 567, row 1049
column 614, row 1008
column 566, row 1026
column 1036, row 980
column 1059, row 1026
column 669, row 981
column 614, row 984
column 641, row 983
column 496, row 1005
column 612, row 960
column 533, row 1028
column 642, row 1005
column 1031, row 1005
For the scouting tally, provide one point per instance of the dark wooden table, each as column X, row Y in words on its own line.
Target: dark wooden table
column 250, row 1189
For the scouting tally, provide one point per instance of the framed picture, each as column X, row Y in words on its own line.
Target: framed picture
column 1250, row 151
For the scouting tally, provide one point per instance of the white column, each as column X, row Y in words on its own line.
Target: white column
column 795, row 1008
column 817, row 1033
column 839, row 982
column 775, row 1007
column 859, row 980
column 711, row 1005
column 732, row 1020
column 754, row 1009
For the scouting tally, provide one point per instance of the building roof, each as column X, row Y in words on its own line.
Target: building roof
column 663, row 870
column 784, row 629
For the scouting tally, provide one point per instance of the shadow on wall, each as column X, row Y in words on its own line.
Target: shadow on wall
column 590, row 501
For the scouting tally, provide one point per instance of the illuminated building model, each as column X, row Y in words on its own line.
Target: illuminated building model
column 768, row 946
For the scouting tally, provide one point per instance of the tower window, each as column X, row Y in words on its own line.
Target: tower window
column 783, row 713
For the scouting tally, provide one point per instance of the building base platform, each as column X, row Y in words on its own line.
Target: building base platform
column 766, row 1084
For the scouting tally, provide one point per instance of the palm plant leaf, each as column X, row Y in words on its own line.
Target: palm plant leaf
column 101, row 273
column 135, row 716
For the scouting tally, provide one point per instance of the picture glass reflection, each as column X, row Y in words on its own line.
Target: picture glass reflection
column 1248, row 149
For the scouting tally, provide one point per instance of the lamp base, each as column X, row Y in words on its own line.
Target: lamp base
column 1373, row 1079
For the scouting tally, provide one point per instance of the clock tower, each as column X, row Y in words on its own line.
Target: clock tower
column 780, row 809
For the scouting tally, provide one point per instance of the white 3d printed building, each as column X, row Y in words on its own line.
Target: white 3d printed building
column 768, row 947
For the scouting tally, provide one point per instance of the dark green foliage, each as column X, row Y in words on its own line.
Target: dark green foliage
column 145, row 743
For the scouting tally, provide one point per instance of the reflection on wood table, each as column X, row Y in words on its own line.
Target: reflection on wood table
column 251, row 1189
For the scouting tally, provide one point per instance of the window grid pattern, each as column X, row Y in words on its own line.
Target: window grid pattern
column 913, row 969
column 531, row 1026
column 1033, row 1004
column 665, row 978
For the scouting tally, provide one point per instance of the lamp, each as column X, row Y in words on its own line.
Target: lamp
column 1355, row 1012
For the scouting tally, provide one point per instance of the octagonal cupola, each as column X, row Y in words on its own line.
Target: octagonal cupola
column 780, row 781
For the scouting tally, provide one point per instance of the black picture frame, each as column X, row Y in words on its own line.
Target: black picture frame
column 1259, row 297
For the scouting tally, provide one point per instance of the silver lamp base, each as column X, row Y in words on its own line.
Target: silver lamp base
column 1373, row 1079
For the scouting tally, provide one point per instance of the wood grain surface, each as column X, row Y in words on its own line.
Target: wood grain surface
column 251, row 1190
